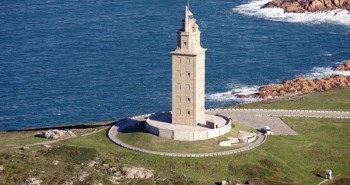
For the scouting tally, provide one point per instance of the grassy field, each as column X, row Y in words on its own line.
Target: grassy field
column 139, row 137
column 321, row 144
column 301, row 159
column 337, row 99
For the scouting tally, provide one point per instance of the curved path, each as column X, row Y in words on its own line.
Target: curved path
column 112, row 134
column 255, row 118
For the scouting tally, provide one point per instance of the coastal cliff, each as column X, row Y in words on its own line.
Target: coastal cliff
column 306, row 85
column 302, row 6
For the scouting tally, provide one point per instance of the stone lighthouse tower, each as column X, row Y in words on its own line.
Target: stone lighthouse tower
column 188, row 75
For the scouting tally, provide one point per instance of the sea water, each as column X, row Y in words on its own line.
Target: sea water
column 80, row 61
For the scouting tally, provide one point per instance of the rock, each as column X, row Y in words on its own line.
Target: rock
column 56, row 134
column 343, row 67
column 1, row 169
column 66, row 183
column 33, row 181
column 92, row 163
column 83, row 176
column 112, row 170
column 47, row 146
column 301, row 6
column 55, row 162
column 242, row 96
column 134, row 172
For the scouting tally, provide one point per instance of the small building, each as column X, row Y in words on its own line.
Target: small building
column 266, row 130
column 246, row 137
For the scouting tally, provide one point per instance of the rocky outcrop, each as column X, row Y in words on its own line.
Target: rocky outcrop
column 301, row 6
column 303, row 86
column 33, row 181
column 343, row 67
column 299, row 85
column 134, row 172
column 56, row 134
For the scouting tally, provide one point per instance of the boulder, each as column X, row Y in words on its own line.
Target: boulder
column 33, row 181
column 55, row 162
column 1, row 169
column 343, row 67
column 56, row 134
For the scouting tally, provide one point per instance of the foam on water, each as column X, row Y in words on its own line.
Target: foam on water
column 253, row 8
column 234, row 94
column 319, row 72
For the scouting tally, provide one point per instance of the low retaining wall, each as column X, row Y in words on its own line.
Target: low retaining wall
column 184, row 135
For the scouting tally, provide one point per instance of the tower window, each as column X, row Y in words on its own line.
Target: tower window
column 188, row 74
column 188, row 100
column 188, row 61
column 188, row 112
column 185, row 43
column 188, row 87
column 179, row 99
column 179, row 86
column 178, row 73
column 178, row 111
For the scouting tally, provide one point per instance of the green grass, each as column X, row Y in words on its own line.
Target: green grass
column 337, row 99
column 72, row 154
column 139, row 137
column 321, row 144
column 11, row 139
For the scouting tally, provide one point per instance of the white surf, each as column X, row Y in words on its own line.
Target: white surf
column 253, row 8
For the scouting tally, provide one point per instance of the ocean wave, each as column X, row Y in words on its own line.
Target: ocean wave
column 319, row 72
column 253, row 8
column 236, row 95
column 247, row 94
column 327, row 54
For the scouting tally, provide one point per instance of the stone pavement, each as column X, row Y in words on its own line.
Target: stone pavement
column 256, row 118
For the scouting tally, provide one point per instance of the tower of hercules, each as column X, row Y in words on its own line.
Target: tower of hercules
column 188, row 75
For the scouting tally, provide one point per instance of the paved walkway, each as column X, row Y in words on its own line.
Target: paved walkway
column 256, row 118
